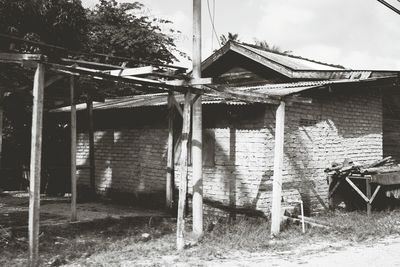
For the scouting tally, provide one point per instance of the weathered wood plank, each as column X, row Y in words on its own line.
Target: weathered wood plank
column 73, row 150
column 16, row 57
column 375, row 193
column 131, row 71
column 176, row 104
column 357, row 189
column 35, row 166
column 197, row 128
column 1, row 123
column 368, row 195
column 170, row 155
column 92, row 162
column 180, row 241
column 278, row 166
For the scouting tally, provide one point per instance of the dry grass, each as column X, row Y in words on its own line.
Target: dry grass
column 111, row 242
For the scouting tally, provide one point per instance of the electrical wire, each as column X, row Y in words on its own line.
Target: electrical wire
column 383, row 2
column 212, row 19
column 42, row 44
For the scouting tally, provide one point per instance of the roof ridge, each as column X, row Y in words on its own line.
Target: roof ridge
column 289, row 55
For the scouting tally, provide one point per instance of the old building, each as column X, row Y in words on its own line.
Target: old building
column 339, row 114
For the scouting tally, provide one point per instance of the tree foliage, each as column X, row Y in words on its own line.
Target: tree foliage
column 263, row 44
column 116, row 29
column 229, row 37
column 57, row 22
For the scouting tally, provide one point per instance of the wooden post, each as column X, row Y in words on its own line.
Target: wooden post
column 197, row 133
column 368, row 193
column 1, row 124
column 89, row 107
column 73, row 150
column 36, row 154
column 169, row 190
column 180, row 242
column 278, row 165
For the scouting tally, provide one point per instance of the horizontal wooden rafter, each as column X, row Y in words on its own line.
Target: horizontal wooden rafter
column 18, row 58
column 131, row 71
column 199, row 81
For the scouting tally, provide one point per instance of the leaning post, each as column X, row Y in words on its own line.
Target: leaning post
column 197, row 144
column 278, row 165
column 89, row 107
column 73, row 149
column 169, row 190
column 180, row 228
column 35, row 166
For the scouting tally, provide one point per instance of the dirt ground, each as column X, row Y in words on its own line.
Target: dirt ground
column 14, row 207
column 120, row 241
column 382, row 252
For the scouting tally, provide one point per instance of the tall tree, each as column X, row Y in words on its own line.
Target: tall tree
column 117, row 30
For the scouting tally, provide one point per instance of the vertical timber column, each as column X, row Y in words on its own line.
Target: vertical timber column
column 36, row 153
column 368, row 193
column 89, row 107
column 180, row 228
column 1, row 124
column 170, row 156
column 73, row 150
column 197, row 143
column 278, row 165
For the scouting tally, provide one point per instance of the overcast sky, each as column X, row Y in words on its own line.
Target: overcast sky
column 359, row 34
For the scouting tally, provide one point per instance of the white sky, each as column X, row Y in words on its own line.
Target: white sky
column 358, row 34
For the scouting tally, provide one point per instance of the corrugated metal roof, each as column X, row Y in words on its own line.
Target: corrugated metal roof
column 279, row 90
column 293, row 62
column 149, row 100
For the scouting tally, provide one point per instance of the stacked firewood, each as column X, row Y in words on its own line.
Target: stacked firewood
column 348, row 167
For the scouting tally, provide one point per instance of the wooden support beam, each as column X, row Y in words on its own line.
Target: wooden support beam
column 197, row 128
column 48, row 82
column 334, row 188
column 170, row 156
column 375, row 193
column 194, row 81
column 368, row 193
column 1, row 123
column 18, row 58
column 278, row 166
column 131, row 71
column 357, row 189
column 251, row 97
column 178, row 107
column 180, row 241
column 73, row 150
column 89, row 108
column 35, row 166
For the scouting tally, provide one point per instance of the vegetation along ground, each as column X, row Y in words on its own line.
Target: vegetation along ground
column 151, row 241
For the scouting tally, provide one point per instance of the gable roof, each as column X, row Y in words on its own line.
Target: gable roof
column 291, row 61
column 290, row 66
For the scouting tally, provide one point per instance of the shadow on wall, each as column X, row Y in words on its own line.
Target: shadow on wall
column 133, row 160
column 130, row 156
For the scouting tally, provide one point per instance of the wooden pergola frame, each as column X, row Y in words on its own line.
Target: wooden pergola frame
column 192, row 88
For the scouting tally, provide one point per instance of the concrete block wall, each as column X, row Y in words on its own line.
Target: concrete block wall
column 330, row 129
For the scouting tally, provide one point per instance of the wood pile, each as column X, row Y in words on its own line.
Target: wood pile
column 348, row 167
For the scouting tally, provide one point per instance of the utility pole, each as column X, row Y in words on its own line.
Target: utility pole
column 197, row 129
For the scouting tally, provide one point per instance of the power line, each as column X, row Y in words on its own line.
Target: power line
column 60, row 48
column 212, row 19
column 383, row 2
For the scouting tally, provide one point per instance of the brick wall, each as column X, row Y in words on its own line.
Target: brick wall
column 330, row 129
column 127, row 160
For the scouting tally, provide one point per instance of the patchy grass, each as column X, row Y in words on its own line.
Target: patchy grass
column 114, row 242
